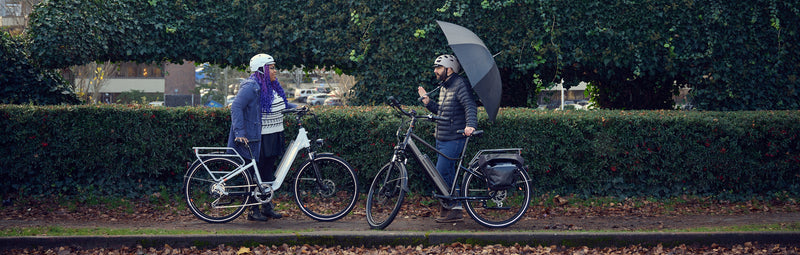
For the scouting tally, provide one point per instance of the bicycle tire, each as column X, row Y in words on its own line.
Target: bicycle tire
column 499, row 209
column 386, row 194
column 338, row 195
column 209, row 200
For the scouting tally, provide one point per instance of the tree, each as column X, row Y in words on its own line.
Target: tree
column 91, row 78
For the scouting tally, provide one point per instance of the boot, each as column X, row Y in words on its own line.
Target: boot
column 443, row 212
column 455, row 215
column 268, row 210
column 255, row 214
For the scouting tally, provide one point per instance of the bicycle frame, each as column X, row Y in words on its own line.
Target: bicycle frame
column 408, row 145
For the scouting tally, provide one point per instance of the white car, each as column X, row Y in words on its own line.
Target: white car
column 298, row 93
column 333, row 101
column 316, row 99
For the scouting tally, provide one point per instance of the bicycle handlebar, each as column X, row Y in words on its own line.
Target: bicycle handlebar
column 396, row 104
column 295, row 110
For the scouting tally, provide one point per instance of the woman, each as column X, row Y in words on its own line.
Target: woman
column 256, row 119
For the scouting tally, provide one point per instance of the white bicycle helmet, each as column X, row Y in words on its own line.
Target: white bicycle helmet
column 260, row 60
column 448, row 61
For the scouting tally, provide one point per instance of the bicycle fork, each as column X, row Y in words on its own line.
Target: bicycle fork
column 311, row 158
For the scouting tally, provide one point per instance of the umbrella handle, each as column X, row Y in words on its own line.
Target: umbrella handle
column 430, row 92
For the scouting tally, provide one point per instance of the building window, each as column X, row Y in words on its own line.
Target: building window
column 12, row 10
column 135, row 70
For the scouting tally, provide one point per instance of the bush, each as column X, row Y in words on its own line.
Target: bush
column 133, row 150
column 22, row 81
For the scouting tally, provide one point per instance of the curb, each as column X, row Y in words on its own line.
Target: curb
column 388, row 238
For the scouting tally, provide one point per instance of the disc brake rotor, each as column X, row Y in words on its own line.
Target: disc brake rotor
column 329, row 188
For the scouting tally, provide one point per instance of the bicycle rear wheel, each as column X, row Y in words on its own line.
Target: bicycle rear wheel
column 386, row 194
column 213, row 201
column 497, row 209
column 330, row 197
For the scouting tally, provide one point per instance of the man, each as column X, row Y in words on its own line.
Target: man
column 457, row 104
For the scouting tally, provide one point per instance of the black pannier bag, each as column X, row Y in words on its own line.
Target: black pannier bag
column 499, row 168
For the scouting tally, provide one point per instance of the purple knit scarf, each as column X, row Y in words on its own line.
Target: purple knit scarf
column 267, row 86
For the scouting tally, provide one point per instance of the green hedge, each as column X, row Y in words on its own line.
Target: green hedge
column 135, row 151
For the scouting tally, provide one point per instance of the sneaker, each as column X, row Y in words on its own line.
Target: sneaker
column 453, row 216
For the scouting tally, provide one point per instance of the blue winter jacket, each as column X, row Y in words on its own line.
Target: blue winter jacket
column 246, row 118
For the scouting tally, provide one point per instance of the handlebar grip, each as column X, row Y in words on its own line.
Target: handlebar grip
column 439, row 118
column 474, row 133
column 392, row 100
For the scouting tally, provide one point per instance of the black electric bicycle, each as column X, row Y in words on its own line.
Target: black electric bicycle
column 495, row 188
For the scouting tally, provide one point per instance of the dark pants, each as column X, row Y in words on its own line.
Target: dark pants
column 272, row 147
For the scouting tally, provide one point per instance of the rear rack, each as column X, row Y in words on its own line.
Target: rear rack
column 225, row 152
column 494, row 151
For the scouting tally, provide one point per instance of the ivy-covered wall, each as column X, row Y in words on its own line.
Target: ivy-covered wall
column 135, row 151
column 735, row 55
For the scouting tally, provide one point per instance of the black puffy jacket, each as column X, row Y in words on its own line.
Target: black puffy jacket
column 457, row 104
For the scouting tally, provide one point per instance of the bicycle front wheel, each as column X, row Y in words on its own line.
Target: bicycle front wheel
column 386, row 194
column 327, row 189
column 216, row 201
column 497, row 208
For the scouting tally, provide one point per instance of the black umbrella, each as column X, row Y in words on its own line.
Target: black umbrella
column 478, row 63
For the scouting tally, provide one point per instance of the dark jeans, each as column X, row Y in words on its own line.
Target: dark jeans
column 446, row 167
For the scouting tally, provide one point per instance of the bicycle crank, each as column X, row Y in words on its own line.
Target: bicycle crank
column 263, row 194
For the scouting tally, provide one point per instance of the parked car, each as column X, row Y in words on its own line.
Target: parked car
column 316, row 99
column 571, row 105
column 333, row 101
column 302, row 94
column 583, row 103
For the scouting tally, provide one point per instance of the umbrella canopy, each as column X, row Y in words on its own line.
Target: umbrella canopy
column 478, row 62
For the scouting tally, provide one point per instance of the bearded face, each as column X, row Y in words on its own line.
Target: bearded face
column 440, row 72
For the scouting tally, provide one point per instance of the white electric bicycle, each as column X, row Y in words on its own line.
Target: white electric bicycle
column 218, row 186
